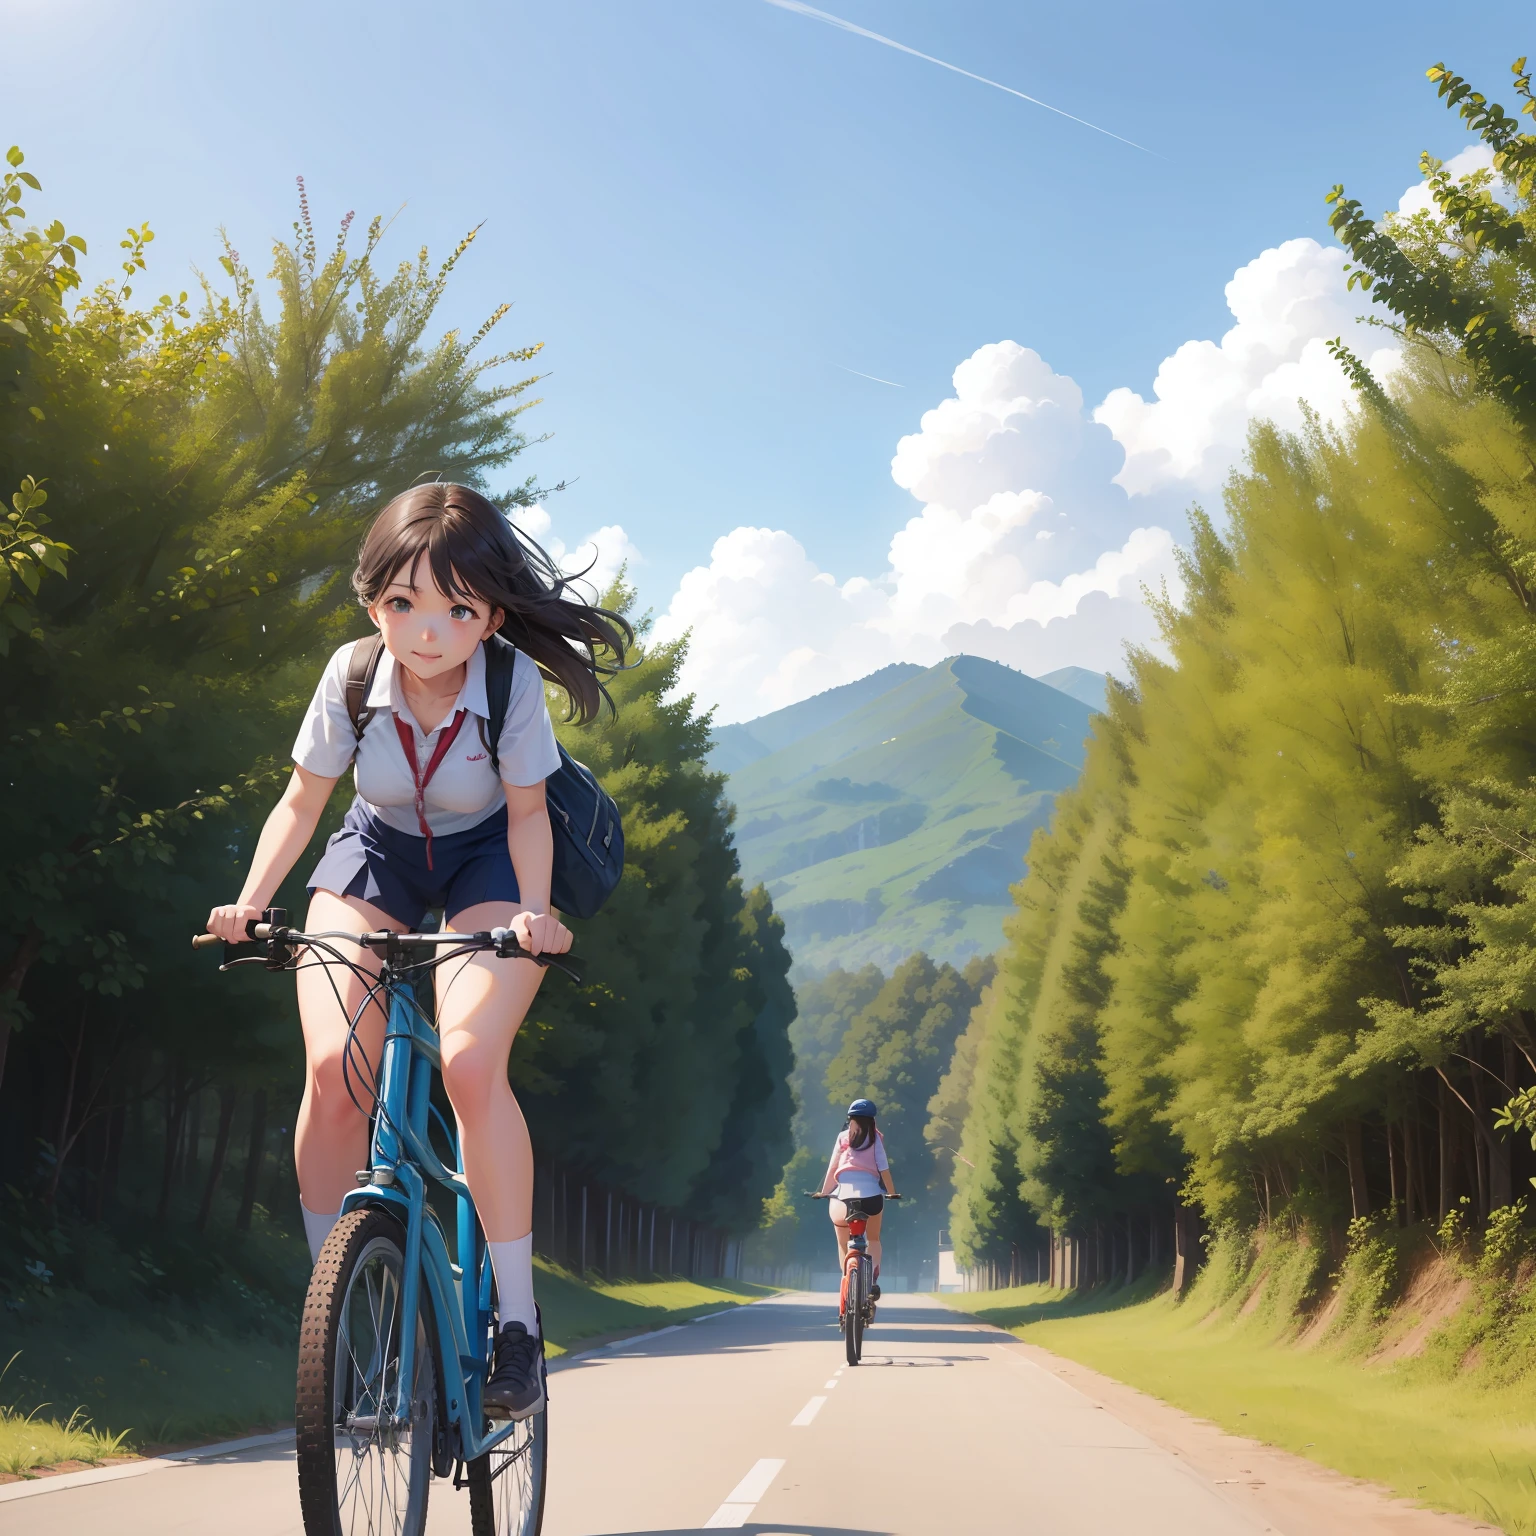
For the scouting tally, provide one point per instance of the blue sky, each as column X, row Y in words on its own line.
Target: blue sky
column 710, row 209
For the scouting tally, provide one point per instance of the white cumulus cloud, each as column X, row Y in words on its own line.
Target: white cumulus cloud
column 1475, row 157
column 1288, row 303
column 1021, row 522
column 1040, row 521
column 601, row 555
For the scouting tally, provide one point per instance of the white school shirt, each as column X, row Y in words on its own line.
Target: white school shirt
column 465, row 789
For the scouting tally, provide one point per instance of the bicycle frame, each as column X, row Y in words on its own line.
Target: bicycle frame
column 401, row 1161
column 858, row 1251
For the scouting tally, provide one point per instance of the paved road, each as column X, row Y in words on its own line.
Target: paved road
column 750, row 1420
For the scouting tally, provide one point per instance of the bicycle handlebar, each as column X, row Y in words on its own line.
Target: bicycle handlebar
column 503, row 941
column 810, row 1194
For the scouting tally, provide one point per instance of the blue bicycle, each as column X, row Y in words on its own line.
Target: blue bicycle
column 396, row 1338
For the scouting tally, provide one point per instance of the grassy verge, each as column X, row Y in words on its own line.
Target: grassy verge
column 28, row 1440
column 1456, row 1438
column 153, row 1376
column 575, row 1310
column 166, row 1373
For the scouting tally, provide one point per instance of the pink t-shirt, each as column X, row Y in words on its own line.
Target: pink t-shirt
column 854, row 1172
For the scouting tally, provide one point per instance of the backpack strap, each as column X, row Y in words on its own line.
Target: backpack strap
column 362, row 666
column 500, row 659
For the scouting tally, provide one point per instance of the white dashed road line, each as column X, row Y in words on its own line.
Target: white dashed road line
column 742, row 1499
column 833, row 1382
column 807, row 1413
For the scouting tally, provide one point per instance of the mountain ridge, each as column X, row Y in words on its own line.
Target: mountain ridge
column 734, row 746
column 895, row 815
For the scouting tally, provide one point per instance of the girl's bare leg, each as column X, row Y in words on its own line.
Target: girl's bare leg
column 481, row 1003
column 839, row 1214
column 330, row 1136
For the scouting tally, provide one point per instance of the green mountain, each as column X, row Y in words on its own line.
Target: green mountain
column 734, row 746
column 1082, row 684
column 893, row 814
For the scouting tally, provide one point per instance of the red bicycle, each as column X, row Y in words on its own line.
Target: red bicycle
column 856, row 1303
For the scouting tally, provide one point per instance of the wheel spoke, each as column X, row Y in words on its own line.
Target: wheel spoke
column 380, row 1462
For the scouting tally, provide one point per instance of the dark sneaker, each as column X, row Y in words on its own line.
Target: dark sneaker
column 516, row 1387
column 874, row 1293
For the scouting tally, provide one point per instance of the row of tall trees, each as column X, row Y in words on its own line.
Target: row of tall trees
column 1277, row 951
column 863, row 1034
column 188, row 479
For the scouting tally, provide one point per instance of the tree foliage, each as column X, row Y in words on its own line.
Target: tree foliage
column 1274, row 952
column 862, row 1034
column 188, row 478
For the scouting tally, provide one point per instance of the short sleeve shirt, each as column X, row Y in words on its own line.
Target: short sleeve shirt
column 465, row 789
column 857, row 1170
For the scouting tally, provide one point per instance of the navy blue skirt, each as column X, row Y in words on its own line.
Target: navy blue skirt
column 388, row 868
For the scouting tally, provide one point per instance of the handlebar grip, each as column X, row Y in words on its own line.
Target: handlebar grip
column 253, row 929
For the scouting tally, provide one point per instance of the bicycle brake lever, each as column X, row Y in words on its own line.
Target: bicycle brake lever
column 508, row 948
column 569, row 964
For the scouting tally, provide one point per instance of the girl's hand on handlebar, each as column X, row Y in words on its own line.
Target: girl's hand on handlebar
column 541, row 934
column 229, row 922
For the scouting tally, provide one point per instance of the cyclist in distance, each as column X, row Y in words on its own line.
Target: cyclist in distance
column 858, row 1170
column 433, row 825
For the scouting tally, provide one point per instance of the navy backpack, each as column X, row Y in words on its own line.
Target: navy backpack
column 588, row 832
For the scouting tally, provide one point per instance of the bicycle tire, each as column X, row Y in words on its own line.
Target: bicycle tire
column 853, row 1316
column 864, row 1307
column 507, row 1484
column 359, row 1473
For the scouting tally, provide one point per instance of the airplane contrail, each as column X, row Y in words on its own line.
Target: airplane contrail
column 871, row 377
column 801, row 9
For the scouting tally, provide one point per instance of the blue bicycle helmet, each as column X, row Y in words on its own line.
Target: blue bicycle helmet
column 862, row 1107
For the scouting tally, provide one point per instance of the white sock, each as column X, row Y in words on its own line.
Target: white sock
column 317, row 1229
column 513, row 1263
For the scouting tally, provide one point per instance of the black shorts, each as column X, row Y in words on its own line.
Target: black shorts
column 863, row 1205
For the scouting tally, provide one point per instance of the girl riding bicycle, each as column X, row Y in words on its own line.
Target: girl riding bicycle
column 432, row 826
column 858, row 1170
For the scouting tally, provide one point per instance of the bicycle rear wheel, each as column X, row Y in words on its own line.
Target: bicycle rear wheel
column 853, row 1315
column 363, row 1471
column 506, row 1485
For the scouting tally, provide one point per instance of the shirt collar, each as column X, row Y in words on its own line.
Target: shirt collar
column 472, row 695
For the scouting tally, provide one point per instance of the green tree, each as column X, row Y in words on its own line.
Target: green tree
column 666, row 1074
column 1272, row 952
column 208, row 467
column 895, row 1051
column 826, row 1007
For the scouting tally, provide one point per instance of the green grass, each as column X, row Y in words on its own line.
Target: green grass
column 574, row 1311
column 28, row 1441
column 1451, row 1440
column 150, row 1375
column 161, row 1375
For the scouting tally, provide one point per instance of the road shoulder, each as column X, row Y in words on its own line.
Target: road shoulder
column 1296, row 1496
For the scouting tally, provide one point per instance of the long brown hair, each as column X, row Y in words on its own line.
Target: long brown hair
column 474, row 552
column 861, row 1131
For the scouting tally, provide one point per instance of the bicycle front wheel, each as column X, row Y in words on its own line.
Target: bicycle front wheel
column 853, row 1315
column 364, row 1468
column 506, row 1485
